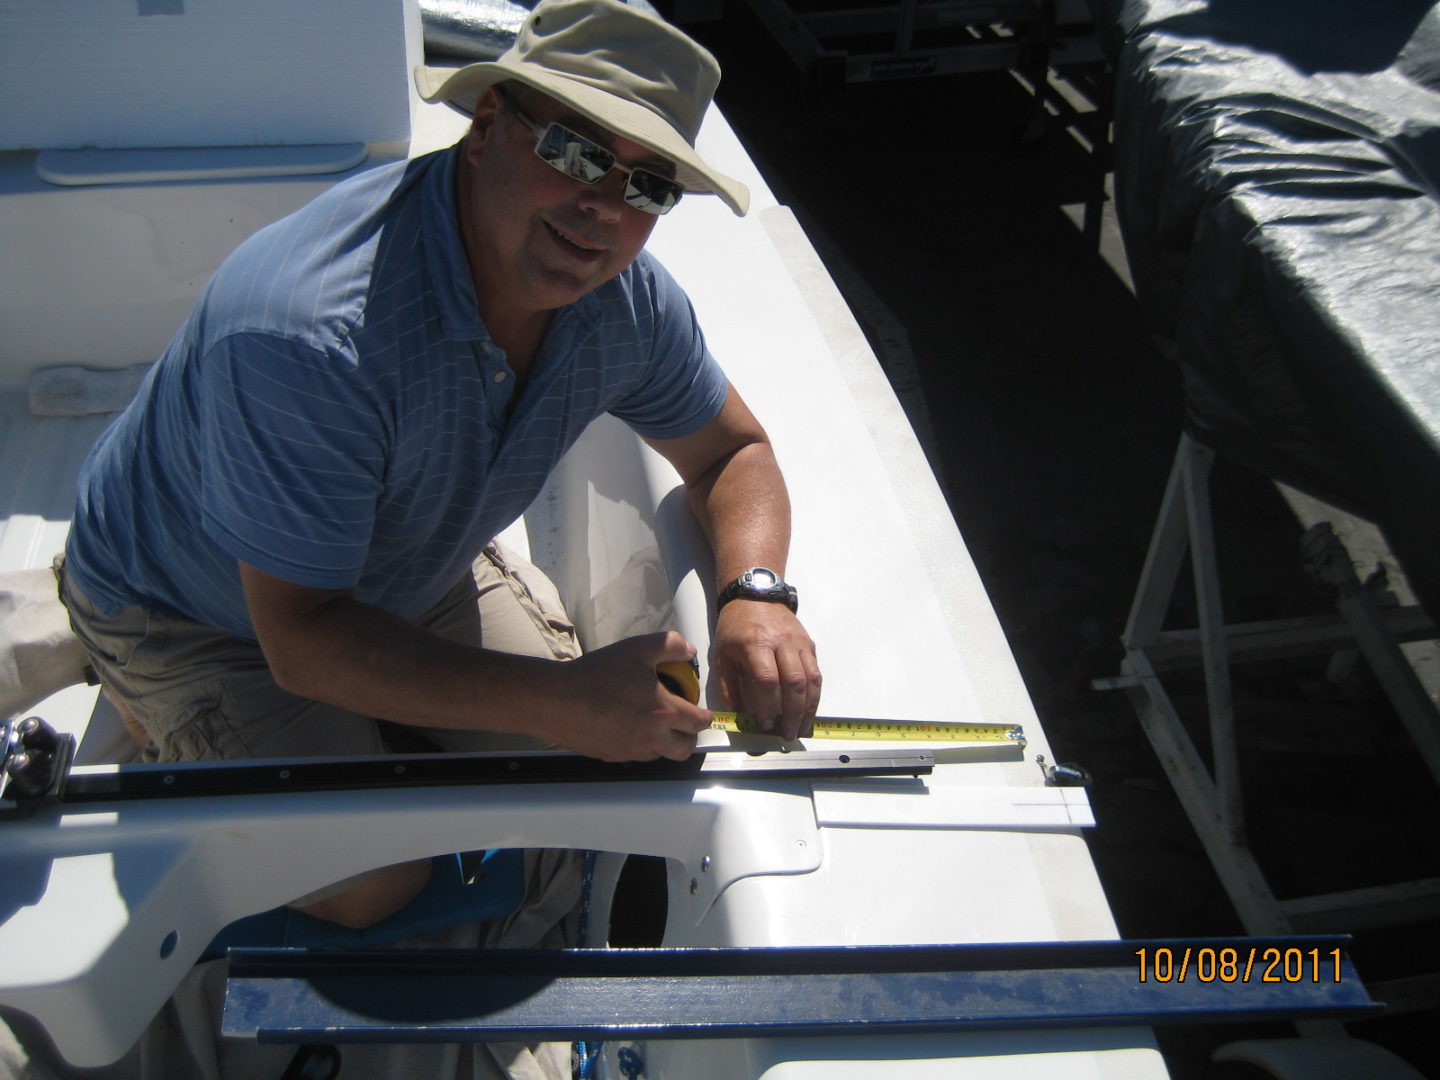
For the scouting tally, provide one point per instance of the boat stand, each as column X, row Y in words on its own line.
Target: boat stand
column 1211, row 793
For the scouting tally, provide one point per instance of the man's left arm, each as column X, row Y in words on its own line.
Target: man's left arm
column 764, row 660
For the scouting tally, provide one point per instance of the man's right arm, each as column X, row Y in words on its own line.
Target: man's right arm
column 326, row 645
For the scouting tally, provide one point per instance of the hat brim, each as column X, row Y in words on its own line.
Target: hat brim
column 461, row 90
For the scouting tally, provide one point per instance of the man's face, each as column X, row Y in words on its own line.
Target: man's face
column 537, row 236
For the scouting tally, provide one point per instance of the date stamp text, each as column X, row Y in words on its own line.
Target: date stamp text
column 1205, row 964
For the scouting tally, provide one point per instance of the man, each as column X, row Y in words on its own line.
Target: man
column 273, row 545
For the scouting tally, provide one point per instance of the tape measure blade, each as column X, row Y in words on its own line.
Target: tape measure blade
column 906, row 730
column 832, row 727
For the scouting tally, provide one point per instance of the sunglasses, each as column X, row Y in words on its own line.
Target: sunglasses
column 581, row 159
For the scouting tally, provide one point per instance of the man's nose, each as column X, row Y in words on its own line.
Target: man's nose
column 606, row 197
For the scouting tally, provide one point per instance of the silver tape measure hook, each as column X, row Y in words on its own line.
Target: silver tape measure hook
column 1063, row 774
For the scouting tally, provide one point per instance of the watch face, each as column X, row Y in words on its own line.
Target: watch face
column 760, row 578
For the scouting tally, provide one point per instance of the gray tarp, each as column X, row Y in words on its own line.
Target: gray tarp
column 1278, row 186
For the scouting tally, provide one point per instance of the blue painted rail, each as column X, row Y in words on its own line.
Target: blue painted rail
column 301, row 996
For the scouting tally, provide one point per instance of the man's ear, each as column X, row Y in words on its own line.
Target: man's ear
column 487, row 109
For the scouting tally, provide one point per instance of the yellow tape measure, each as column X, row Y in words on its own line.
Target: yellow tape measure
column 684, row 679
column 831, row 727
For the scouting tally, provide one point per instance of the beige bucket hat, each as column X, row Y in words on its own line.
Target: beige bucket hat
column 630, row 72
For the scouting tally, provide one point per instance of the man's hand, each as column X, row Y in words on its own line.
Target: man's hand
column 765, row 664
column 622, row 711
column 609, row 704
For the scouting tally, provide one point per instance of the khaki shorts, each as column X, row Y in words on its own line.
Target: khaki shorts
column 200, row 694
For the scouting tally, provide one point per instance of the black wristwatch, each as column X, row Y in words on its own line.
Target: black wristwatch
column 759, row 583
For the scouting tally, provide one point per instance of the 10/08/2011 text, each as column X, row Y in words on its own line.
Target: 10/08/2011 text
column 1255, row 964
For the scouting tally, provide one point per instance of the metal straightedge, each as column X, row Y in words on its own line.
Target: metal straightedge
column 116, row 783
column 304, row 996
column 1211, row 792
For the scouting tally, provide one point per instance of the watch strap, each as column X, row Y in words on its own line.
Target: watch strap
column 743, row 588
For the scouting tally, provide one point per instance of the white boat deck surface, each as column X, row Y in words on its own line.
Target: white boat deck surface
column 981, row 851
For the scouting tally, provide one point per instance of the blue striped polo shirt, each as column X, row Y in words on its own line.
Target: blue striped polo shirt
column 333, row 412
